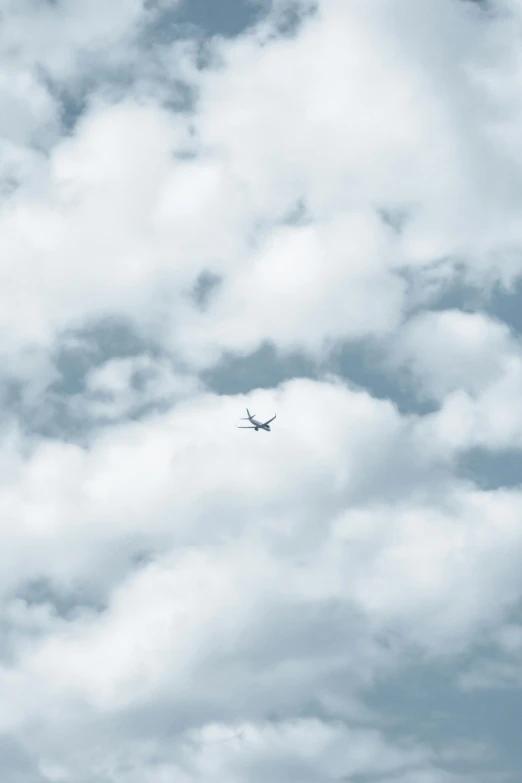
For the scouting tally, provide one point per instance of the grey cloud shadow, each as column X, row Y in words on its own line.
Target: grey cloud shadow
column 492, row 470
column 356, row 362
column 67, row 603
column 262, row 369
column 425, row 698
column 206, row 285
column 78, row 352
column 16, row 764
column 458, row 292
column 507, row 306
column 227, row 18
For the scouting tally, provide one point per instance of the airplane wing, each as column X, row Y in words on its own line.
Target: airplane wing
column 245, row 427
column 269, row 420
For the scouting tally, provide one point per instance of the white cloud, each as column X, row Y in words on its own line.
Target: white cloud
column 301, row 748
column 306, row 285
column 492, row 420
column 288, row 750
column 276, row 576
column 381, row 119
column 57, row 35
column 122, row 387
column 472, row 366
column 450, row 350
column 223, row 583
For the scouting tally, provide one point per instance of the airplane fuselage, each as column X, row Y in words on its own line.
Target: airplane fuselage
column 259, row 425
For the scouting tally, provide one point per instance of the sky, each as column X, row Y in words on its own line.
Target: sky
column 303, row 208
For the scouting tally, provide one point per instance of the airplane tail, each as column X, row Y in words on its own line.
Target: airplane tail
column 249, row 416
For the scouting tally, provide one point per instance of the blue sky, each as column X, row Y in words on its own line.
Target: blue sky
column 309, row 208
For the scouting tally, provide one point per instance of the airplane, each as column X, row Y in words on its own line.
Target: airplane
column 254, row 424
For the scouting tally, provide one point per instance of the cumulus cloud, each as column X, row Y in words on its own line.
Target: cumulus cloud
column 467, row 351
column 381, row 120
column 228, row 592
column 181, row 599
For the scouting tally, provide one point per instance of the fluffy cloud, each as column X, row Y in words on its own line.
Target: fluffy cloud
column 58, row 35
column 467, row 351
column 381, row 120
column 184, row 600
column 225, row 591
column 473, row 367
